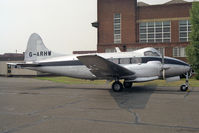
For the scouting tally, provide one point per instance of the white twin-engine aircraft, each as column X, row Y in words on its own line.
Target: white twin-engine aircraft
column 138, row 66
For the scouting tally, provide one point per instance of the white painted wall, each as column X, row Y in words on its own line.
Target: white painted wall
column 15, row 71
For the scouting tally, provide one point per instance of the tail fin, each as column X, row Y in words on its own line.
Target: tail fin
column 36, row 49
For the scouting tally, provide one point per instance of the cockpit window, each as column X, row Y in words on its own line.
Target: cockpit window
column 156, row 54
column 150, row 53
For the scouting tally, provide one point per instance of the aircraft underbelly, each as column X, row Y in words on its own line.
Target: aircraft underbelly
column 70, row 71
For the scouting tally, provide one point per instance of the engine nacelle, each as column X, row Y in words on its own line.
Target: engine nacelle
column 172, row 79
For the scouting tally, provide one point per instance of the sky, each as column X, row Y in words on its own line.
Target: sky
column 64, row 25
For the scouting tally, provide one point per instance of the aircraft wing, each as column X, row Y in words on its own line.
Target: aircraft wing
column 101, row 67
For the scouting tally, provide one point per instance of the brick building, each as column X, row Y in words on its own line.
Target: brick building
column 130, row 25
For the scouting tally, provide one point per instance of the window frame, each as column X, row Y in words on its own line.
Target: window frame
column 155, row 32
column 184, row 29
column 117, row 19
column 180, row 52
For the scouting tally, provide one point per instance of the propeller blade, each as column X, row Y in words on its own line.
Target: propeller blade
column 162, row 57
column 163, row 67
column 163, row 74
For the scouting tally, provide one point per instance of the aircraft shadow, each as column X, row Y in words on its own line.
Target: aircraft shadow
column 136, row 97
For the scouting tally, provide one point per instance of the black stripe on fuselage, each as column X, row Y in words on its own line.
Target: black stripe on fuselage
column 166, row 60
column 60, row 63
column 143, row 60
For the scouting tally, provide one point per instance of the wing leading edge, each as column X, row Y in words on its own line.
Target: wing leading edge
column 103, row 68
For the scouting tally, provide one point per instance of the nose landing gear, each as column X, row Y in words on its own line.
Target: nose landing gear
column 185, row 87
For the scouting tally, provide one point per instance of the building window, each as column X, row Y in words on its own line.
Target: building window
column 184, row 30
column 109, row 50
column 131, row 49
column 155, row 32
column 161, row 51
column 117, row 28
column 179, row 52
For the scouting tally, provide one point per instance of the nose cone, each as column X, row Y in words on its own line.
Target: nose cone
column 187, row 69
column 177, row 67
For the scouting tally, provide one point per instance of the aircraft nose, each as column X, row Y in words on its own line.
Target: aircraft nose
column 187, row 69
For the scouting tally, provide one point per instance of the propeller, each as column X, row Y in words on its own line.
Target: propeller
column 163, row 69
column 190, row 72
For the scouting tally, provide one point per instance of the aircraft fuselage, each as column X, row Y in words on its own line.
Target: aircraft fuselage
column 148, row 66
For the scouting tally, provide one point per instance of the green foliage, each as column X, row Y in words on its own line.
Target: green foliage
column 197, row 76
column 68, row 80
column 192, row 50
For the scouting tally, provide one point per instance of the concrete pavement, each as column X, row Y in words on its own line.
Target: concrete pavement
column 36, row 106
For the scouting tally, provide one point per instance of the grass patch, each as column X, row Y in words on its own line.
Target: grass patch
column 67, row 80
column 192, row 82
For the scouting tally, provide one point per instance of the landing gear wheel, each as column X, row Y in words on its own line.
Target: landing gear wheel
column 183, row 88
column 127, row 84
column 117, row 86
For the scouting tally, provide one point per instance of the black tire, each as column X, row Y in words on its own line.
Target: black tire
column 117, row 86
column 183, row 88
column 127, row 84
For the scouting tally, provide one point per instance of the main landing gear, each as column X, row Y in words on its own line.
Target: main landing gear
column 185, row 86
column 117, row 86
column 127, row 84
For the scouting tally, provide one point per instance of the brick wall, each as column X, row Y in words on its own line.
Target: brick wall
column 106, row 10
column 131, row 16
column 164, row 11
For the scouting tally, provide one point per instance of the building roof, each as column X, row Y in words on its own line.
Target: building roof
column 11, row 57
column 175, row 2
column 142, row 4
column 84, row 52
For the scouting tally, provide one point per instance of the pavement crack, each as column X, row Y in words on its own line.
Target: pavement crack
column 136, row 118
column 178, row 127
column 188, row 93
column 16, row 129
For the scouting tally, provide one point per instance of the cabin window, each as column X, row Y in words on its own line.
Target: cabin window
column 114, row 60
column 125, row 61
column 136, row 60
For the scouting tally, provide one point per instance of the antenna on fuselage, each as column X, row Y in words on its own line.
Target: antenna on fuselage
column 117, row 50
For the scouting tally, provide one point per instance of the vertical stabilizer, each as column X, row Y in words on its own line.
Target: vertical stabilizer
column 36, row 49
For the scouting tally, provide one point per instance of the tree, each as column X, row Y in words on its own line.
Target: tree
column 192, row 50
